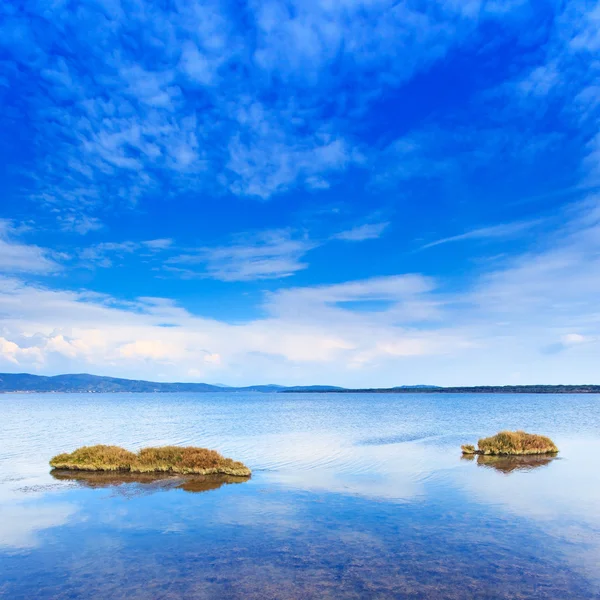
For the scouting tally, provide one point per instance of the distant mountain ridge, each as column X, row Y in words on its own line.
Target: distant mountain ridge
column 83, row 382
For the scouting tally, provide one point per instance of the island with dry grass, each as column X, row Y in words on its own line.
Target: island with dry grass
column 512, row 443
column 165, row 459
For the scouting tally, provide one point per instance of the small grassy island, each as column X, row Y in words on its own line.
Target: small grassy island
column 512, row 443
column 165, row 459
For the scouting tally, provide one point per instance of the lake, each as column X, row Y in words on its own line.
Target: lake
column 352, row 496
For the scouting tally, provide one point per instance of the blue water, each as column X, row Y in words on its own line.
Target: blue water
column 352, row 496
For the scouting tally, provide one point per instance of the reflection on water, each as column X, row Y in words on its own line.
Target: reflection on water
column 145, row 482
column 351, row 497
column 509, row 464
column 21, row 523
column 394, row 439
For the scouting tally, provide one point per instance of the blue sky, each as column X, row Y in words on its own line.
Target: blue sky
column 362, row 193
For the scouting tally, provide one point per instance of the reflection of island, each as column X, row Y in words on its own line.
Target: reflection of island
column 508, row 464
column 148, row 482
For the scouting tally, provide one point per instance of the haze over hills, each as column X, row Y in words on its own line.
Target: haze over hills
column 83, row 382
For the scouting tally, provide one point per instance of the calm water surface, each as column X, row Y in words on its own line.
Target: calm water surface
column 352, row 496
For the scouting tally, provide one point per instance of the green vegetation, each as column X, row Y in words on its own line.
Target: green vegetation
column 510, row 443
column 166, row 459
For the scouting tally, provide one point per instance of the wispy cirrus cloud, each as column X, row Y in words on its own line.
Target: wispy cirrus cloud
column 406, row 299
column 502, row 231
column 368, row 231
column 547, row 107
column 269, row 254
column 536, row 281
column 78, row 222
column 105, row 253
column 455, row 154
column 189, row 97
column 562, row 81
column 18, row 257
column 250, row 256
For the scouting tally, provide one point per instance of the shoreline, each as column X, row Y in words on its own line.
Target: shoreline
column 500, row 390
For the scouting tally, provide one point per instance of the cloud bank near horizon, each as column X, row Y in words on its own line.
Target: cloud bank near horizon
column 363, row 193
column 390, row 330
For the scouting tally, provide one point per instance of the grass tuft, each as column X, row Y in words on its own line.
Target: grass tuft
column 511, row 443
column 95, row 458
column 166, row 459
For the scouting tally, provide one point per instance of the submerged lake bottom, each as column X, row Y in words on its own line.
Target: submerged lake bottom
column 351, row 496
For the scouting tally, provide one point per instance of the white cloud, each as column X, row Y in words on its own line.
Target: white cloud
column 572, row 339
column 156, row 350
column 80, row 223
column 158, row 244
column 16, row 257
column 265, row 255
column 539, row 309
column 550, row 105
column 298, row 41
column 70, row 331
column 567, row 73
column 194, row 96
column 368, row 231
column 540, row 81
column 13, row 353
column 303, row 302
column 105, row 253
column 562, row 272
column 268, row 155
column 268, row 254
column 455, row 154
column 505, row 230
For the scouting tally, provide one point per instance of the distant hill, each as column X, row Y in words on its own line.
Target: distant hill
column 25, row 382
column 268, row 387
column 419, row 387
column 480, row 389
column 313, row 388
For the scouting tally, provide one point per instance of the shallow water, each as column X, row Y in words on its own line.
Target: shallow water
column 352, row 496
